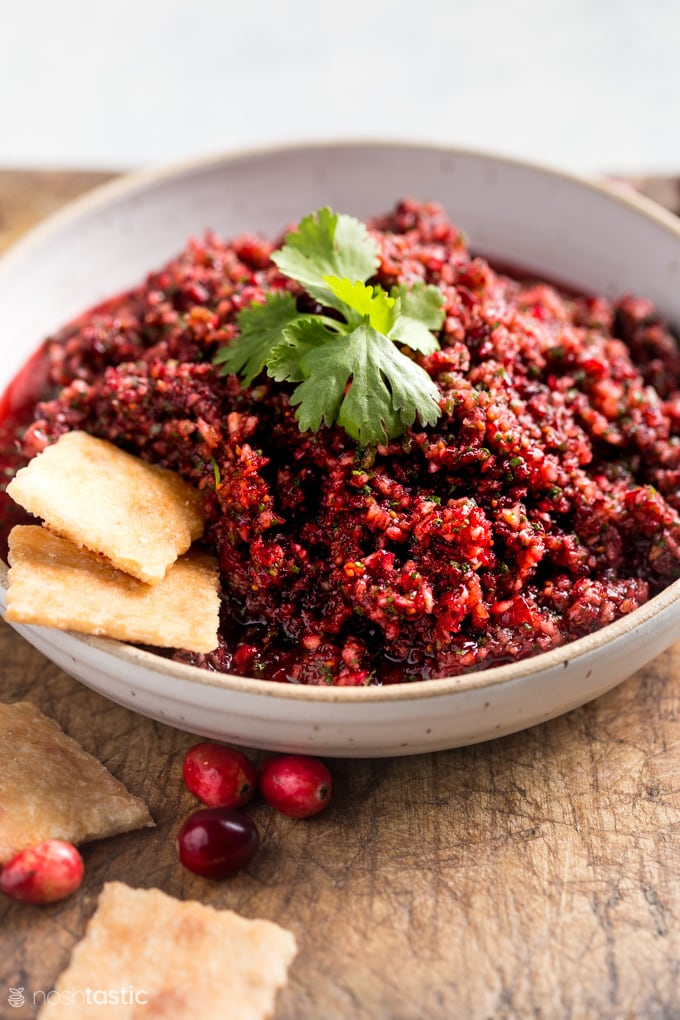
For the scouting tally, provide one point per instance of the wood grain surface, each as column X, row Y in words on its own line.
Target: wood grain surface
column 534, row 876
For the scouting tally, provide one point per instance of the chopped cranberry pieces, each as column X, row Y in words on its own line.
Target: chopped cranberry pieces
column 556, row 460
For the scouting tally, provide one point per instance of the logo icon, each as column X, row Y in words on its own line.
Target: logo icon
column 16, row 997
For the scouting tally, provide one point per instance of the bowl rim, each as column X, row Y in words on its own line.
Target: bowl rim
column 484, row 679
column 127, row 182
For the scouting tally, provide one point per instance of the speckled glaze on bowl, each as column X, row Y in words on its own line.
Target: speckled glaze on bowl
column 590, row 236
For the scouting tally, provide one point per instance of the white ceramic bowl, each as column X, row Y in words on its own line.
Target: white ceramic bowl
column 577, row 232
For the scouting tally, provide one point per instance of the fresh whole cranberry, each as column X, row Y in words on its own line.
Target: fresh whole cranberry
column 218, row 775
column 295, row 785
column 43, row 873
column 216, row 842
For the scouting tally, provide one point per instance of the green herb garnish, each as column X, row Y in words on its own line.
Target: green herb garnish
column 346, row 363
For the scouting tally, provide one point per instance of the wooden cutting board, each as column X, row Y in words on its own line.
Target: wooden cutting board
column 534, row 876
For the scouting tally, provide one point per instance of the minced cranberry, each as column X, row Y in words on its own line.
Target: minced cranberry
column 254, row 251
column 43, row 873
column 295, row 785
column 216, row 842
column 219, row 776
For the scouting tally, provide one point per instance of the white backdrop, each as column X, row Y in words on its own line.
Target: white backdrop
column 590, row 85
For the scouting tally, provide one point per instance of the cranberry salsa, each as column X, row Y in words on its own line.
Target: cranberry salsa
column 540, row 502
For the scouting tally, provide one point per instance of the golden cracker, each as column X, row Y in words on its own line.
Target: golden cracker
column 173, row 959
column 50, row 788
column 52, row 583
column 138, row 516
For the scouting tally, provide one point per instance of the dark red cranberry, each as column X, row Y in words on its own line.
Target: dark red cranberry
column 219, row 776
column 216, row 842
column 295, row 785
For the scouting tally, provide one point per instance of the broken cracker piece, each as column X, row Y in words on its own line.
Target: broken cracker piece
column 52, row 583
column 50, row 788
column 172, row 959
column 138, row 516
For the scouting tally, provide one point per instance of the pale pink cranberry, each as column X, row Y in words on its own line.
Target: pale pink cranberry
column 43, row 873
column 295, row 785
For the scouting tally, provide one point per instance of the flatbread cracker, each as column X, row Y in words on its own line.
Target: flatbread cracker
column 52, row 583
column 176, row 960
column 138, row 516
column 50, row 788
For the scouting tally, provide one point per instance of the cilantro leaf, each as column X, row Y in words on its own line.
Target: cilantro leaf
column 362, row 381
column 419, row 310
column 348, row 366
column 327, row 244
column 421, row 301
column 298, row 339
column 363, row 301
column 261, row 329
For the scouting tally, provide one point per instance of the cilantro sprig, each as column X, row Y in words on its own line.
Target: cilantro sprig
column 349, row 365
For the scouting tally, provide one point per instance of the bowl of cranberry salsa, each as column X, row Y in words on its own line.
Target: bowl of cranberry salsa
column 432, row 401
